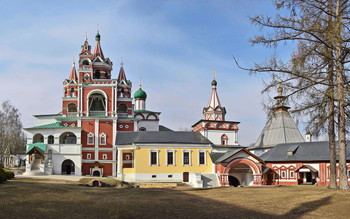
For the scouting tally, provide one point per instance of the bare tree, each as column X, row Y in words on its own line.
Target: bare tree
column 11, row 135
column 317, row 68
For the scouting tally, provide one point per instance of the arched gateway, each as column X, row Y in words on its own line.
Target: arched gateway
column 239, row 168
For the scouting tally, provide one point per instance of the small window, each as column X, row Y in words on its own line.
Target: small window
column 291, row 174
column 103, row 139
column 201, row 158
column 186, row 158
column 170, row 158
column 154, row 176
column 127, row 157
column 224, row 140
column 104, row 156
column 88, row 156
column 90, row 139
column 142, row 129
column 154, row 158
column 170, row 176
column 283, row 174
column 348, row 173
column 51, row 139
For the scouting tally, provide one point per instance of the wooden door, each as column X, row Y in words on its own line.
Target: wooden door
column 185, row 176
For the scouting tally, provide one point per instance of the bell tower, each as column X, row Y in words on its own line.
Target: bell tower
column 214, row 126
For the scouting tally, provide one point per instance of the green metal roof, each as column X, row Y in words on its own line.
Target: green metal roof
column 41, row 147
column 56, row 125
column 145, row 111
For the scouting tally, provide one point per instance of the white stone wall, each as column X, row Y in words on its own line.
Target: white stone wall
column 215, row 136
column 42, row 120
column 57, row 160
column 147, row 177
column 149, row 125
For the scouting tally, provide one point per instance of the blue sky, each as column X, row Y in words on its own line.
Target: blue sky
column 173, row 46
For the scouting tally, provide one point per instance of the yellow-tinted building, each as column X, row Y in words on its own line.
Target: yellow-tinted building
column 165, row 156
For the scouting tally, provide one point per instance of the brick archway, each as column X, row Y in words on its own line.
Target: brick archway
column 255, row 167
column 250, row 163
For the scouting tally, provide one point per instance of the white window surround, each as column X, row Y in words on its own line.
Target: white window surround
column 205, row 157
column 104, row 156
column 157, row 157
column 88, row 156
column 103, row 139
column 174, row 159
column 283, row 174
column 291, row 174
column 90, row 139
column 189, row 157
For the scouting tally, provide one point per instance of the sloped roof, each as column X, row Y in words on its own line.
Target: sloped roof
column 280, row 128
column 56, row 125
column 41, row 147
column 306, row 151
column 162, row 128
column 171, row 137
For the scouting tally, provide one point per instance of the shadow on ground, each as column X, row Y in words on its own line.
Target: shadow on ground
column 51, row 200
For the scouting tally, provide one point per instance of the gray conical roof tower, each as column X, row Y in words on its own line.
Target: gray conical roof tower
column 280, row 127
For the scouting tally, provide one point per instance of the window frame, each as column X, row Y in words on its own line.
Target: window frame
column 104, row 157
column 189, row 158
column 88, row 156
column 204, row 157
column 167, row 158
column 103, row 136
column 157, row 158
column 92, row 136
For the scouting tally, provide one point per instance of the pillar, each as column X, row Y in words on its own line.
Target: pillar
column 120, row 164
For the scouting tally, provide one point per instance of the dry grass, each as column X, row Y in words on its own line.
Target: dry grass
column 28, row 198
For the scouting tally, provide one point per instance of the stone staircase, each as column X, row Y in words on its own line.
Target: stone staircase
column 210, row 180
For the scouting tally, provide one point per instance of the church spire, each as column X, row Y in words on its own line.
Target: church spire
column 98, row 49
column 73, row 73
column 214, row 111
column 121, row 75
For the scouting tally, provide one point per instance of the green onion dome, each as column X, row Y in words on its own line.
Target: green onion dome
column 140, row 94
column 98, row 36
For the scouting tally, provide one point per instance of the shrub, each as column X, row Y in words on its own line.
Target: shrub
column 9, row 174
column 3, row 176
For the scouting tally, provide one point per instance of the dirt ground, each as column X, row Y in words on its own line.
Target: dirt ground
column 37, row 198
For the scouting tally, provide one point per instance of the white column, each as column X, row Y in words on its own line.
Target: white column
column 96, row 138
column 114, row 153
column 120, row 163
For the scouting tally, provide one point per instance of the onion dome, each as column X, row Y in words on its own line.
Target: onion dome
column 98, row 36
column 140, row 94
column 214, row 83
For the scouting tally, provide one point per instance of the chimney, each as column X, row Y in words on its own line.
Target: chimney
column 308, row 136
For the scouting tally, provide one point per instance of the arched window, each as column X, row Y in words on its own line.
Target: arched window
column 72, row 109
column 224, row 139
column 72, row 94
column 220, row 126
column 142, row 129
column 122, row 108
column 49, row 154
column 207, row 125
column 97, row 74
column 50, row 139
column 38, row 138
column 103, row 137
column 68, row 138
column 97, row 104
column 86, row 62
column 90, row 139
